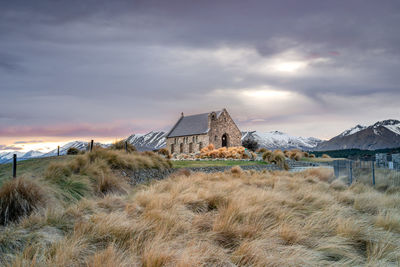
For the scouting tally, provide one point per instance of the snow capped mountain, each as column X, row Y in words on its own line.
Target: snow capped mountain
column 391, row 125
column 81, row 145
column 6, row 157
column 382, row 134
column 149, row 141
column 353, row 130
column 278, row 140
column 270, row 140
column 33, row 154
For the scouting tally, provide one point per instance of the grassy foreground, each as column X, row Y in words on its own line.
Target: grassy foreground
column 236, row 218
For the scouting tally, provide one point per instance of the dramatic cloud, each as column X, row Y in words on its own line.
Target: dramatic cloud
column 28, row 142
column 111, row 68
column 6, row 147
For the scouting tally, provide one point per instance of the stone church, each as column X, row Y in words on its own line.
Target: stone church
column 191, row 133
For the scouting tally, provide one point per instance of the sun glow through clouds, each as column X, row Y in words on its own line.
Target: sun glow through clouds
column 265, row 93
column 293, row 66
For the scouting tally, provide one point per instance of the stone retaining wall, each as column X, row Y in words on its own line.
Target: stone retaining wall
column 146, row 175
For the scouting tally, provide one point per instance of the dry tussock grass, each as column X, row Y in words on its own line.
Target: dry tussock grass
column 20, row 197
column 223, row 152
column 123, row 145
column 277, row 157
column 235, row 218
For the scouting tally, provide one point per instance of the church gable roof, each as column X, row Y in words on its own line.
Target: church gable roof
column 191, row 125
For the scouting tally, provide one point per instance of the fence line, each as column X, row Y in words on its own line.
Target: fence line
column 367, row 172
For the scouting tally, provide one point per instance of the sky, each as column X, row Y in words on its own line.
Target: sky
column 85, row 69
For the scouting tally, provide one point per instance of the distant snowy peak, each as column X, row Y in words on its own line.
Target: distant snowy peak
column 81, row 145
column 33, row 154
column 279, row 140
column 149, row 141
column 391, row 125
column 6, row 157
column 353, row 130
column 380, row 135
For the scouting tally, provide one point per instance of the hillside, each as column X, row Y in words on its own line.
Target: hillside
column 381, row 135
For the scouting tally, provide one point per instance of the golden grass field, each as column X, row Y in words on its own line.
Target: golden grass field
column 235, row 218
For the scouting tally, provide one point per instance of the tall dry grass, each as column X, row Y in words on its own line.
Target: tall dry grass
column 94, row 174
column 277, row 157
column 235, row 218
column 20, row 197
column 223, row 152
column 123, row 145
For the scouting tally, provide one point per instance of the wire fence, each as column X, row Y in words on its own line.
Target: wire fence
column 367, row 172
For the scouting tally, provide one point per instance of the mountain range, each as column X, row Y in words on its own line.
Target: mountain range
column 382, row 134
column 6, row 157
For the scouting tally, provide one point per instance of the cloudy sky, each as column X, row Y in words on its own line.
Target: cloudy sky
column 103, row 69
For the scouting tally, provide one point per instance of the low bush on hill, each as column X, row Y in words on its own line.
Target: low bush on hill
column 251, row 145
column 73, row 151
column 123, row 145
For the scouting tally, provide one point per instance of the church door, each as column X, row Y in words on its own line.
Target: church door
column 224, row 140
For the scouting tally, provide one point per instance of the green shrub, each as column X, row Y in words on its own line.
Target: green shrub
column 71, row 185
column 73, row 151
column 250, row 144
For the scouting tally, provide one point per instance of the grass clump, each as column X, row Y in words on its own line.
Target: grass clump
column 223, row 152
column 277, row 157
column 134, row 161
column 164, row 152
column 123, row 145
column 20, row 197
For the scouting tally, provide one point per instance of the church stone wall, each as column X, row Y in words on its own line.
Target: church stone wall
column 197, row 141
column 218, row 126
column 224, row 124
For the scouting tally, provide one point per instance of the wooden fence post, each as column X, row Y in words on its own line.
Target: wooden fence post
column 351, row 172
column 91, row 145
column 126, row 146
column 373, row 173
column 336, row 168
column 14, row 165
column 58, row 151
